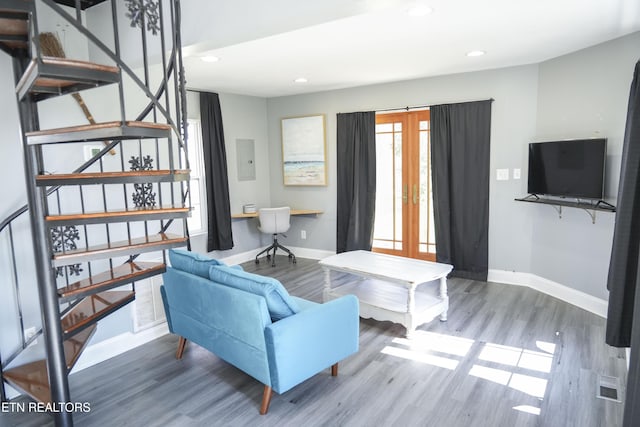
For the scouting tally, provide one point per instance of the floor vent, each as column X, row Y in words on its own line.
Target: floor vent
column 608, row 388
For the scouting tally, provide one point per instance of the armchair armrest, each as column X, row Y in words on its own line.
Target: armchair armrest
column 302, row 345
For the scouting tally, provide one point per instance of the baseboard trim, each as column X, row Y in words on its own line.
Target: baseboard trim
column 299, row 252
column 311, row 253
column 241, row 257
column 572, row 296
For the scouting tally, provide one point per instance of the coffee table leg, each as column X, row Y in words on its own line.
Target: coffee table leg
column 411, row 308
column 444, row 296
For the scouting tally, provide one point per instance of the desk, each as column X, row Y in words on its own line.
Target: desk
column 293, row 212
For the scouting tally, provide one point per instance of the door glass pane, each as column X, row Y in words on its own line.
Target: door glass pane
column 384, row 127
column 387, row 231
column 426, row 228
column 397, row 156
column 383, row 227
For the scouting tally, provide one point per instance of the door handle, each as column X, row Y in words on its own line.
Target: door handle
column 405, row 196
column 415, row 194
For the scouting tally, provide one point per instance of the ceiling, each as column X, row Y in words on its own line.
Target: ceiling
column 262, row 50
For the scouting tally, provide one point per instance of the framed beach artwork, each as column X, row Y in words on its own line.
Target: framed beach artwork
column 304, row 160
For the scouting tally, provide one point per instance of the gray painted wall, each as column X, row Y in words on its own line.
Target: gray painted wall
column 513, row 126
column 583, row 94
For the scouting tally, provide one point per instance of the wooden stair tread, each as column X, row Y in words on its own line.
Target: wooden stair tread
column 32, row 379
column 131, row 214
column 58, row 76
column 94, row 308
column 51, row 60
column 100, row 132
column 75, row 345
column 14, row 32
column 105, row 125
column 122, row 274
column 118, row 177
column 130, row 246
column 13, row 26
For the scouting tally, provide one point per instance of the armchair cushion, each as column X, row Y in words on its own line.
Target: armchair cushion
column 279, row 303
column 192, row 262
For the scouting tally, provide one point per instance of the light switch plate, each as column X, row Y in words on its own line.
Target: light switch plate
column 502, row 174
column 516, row 173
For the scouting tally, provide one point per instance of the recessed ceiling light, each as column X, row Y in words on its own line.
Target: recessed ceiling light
column 210, row 58
column 476, row 53
column 419, row 10
column 301, row 80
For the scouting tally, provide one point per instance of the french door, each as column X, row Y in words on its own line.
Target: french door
column 404, row 210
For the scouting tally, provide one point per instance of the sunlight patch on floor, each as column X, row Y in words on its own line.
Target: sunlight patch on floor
column 514, row 356
column 532, row 386
column 528, row 409
column 497, row 376
column 441, row 362
column 422, row 344
column 430, row 341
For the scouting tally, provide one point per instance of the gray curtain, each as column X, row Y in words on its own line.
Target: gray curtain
column 623, row 267
column 356, row 145
column 623, row 317
column 460, row 143
column 215, row 166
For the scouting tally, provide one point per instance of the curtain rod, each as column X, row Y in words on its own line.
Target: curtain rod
column 416, row 107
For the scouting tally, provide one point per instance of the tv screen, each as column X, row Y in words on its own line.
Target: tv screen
column 572, row 168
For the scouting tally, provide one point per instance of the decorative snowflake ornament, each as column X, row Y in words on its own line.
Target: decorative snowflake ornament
column 143, row 196
column 64, row 239
column 141, row 11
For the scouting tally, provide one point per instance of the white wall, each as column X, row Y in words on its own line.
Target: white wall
column 513, row 126
column 583, row 94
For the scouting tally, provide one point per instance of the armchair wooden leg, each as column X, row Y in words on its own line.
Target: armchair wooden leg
column 181, row 345
column 266, row 399
column 334, row 370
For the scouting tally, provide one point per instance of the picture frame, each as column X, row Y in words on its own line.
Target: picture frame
column 304, row 151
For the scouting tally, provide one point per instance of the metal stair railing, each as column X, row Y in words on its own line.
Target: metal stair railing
column 172, row 68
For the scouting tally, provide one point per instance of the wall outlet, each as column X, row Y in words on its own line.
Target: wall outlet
column 303, row 234
column 502, row 174
column 30, row 332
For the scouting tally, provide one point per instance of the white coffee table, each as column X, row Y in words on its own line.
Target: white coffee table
column 402, row 290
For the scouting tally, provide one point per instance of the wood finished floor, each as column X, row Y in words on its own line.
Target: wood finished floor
column 504, row 350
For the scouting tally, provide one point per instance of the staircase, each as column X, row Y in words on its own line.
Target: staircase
column 89, row 226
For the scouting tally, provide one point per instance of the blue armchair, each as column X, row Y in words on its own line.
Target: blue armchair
column 251, row 322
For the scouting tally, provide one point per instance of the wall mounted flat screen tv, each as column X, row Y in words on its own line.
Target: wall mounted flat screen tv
column 571, row 168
